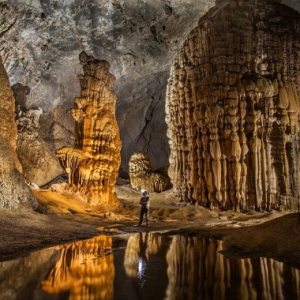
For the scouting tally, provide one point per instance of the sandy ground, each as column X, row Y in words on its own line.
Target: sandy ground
column 63, row 218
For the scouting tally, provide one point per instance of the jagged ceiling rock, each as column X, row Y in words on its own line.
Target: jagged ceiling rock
column 233, row 108
column 40, row 42
column 13, row 189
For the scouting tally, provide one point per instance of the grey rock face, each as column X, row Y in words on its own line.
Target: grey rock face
column 13, row 189
column 40, row 42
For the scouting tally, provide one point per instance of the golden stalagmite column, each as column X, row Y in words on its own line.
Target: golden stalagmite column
column 232, row 109
column 94, row 163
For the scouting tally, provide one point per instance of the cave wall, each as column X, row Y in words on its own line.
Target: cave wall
column 13, row 188
column 40, row 42
column 233, row 109
column 39, row 163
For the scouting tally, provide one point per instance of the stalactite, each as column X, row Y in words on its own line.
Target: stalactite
column 233, row 109
column 94, row 163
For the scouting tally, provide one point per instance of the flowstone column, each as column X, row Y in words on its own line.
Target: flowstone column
column 93, row 164
column 232, row 109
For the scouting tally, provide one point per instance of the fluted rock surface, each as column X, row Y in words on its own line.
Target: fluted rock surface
column 94, row 163
column 142, row 176
column 13, row 188
column 233, row 108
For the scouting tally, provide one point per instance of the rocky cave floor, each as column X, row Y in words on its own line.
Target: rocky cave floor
column 63, row 218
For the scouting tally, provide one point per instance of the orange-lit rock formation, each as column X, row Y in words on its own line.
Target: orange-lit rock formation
column 93, row 164
column 233, row 108
column 142, row 176
column 13, row 188
column 85, row 270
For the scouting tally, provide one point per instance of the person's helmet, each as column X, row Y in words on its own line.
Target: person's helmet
column 145, row 192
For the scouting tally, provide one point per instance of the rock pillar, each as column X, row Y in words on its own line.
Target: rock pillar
column 233, row 108
column 93, row 164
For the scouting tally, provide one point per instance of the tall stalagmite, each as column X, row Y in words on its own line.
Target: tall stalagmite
column 13, row 188
column 233, row 108
column 94, row 163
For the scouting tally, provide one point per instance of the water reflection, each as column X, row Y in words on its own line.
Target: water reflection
column 145, row 266
column 85, row 270
column 197, row 270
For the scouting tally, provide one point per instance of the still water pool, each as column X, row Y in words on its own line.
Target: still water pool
column 145, row 266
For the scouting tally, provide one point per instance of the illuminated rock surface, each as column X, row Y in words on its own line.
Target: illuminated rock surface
column 233, row 109
column 14, row 190
column 93, row 164
column 142, row 177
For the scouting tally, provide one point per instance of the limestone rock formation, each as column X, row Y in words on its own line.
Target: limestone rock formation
column 93, row 164
column 13, row 188
column 142, row 176
column 233, row 108
column 39, row 164
column 40, row 42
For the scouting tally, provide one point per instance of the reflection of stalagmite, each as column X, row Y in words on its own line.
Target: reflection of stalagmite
column 232, row 109
column 142, row 175
column 197, row 270
column 85, row 270
column 93, row 165
column 139, row 247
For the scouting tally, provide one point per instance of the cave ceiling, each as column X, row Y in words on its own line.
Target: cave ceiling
column 40, row 42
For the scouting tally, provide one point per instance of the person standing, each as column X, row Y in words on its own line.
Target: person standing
column 145, row 205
